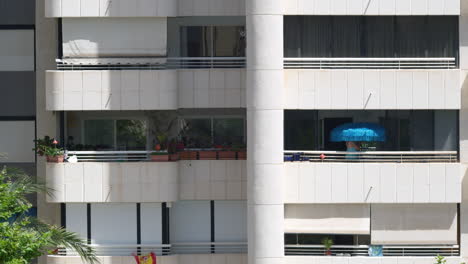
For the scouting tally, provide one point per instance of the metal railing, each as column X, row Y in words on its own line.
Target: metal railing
column 370, row 63
column 122, row 250
column 371, row 156
column 163, row 249
column 210, row 247
column 109, row 156
column 363, row 250
column 150, row 64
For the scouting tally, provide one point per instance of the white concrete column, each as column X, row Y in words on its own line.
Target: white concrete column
column 265, row 131
column 463, row 29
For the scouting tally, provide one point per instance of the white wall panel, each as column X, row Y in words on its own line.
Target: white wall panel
column 372, row 183
column 372, row 89
column 92, row 90
column 211, row 7
column 190, row 221
column 113, row 182
column 16, row 141
column 151, row 223
column 371, row 7
column 17, row 50
column 123, row 229
column 98, row 37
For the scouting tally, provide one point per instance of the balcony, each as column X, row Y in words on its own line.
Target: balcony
column 415, row 163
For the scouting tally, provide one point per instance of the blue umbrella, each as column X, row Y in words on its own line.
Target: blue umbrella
column 358, row 132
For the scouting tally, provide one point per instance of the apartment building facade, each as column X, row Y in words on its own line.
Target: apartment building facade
column 274, row 77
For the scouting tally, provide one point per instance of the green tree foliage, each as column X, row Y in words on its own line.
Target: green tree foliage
column 23, row 238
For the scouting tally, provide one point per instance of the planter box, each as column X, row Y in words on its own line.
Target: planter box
column 174, row 157
column 207, row 155
column 188, row 155
column 227, row 155
column 55, row 159
column 160, row 158
column 242, row 155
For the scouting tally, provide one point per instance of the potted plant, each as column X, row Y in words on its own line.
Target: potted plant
column 48, row 147
column 159, row 155
column 327, row 243
column 208, row 154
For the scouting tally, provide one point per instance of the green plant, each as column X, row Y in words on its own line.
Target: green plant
column 48, row 147
column 25, row 238
column 440, row 259
column 327, row 243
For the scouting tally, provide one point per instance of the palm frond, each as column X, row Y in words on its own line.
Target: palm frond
column 71, row 240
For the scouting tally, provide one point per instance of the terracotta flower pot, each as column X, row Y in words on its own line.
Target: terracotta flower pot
column 227, row 155
column 207, row 155
column 160, row 158
column 55, row 159
column 188, row 155
column 242, row 155
column 328, row 253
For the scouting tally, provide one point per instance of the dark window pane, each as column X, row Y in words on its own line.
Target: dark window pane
column 99, row 134
column 229, row 41
column 196, row 41
column 198, row 133
column 228, row 131
column 131, row 135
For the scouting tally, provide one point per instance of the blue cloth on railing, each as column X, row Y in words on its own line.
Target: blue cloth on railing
column 375, row 251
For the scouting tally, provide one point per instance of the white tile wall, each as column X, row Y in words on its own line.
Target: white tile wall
column 371, row 7
column 110, row 8
column 113, row 182
column 372, row 89
column 111, row 90
column 372, row 183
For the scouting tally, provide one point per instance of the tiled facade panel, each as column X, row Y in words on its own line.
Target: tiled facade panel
column 148, row 181
column 112, row 182
column 111, row 90
column 372, row 89
column 110, row 8
column 371, row 7
column 372, row 183
column 145, row 89
column 366, row 260
column 211, row 7
column 213, row 180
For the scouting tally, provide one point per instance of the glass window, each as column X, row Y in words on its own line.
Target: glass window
column 99, row 133
column 196, row 41
column 114, row 134
column 131, row 134
column 212, row 41
column 228, row 131
column 229, row 41
column 198, row 133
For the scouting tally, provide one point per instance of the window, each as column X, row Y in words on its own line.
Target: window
column 212, row 41
column 102, row 134
column 211, row 131
column 370, row 36
column 190, row 221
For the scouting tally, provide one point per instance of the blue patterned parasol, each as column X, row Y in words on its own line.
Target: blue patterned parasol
column 358, row 132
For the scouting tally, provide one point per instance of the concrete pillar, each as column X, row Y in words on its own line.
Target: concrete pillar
column 46, row 47
column 265, row 131
column 463, row 28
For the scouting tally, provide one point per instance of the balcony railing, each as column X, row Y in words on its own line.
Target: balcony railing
column 110, row 156
column 163, row 249
column 372, row 156
column 388, row 251
column 370, row 63
column 150, row 63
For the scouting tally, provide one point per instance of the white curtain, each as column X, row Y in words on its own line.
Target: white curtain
column 415, row 224
column 327, row 219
